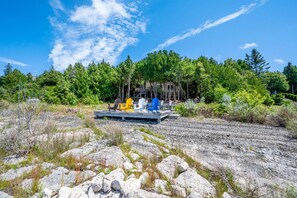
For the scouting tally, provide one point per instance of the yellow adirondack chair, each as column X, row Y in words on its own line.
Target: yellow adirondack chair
column 128, row 106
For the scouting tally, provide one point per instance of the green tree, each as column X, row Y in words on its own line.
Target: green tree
column 256, row 62
column 291, row 72
column 8, row 69
column 276, row 82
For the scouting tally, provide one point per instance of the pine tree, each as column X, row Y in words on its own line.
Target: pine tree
column 256, row 62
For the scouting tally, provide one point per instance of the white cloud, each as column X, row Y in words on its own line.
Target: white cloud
column 248, row 45
column 95, row 32
column 11, row 61
column 207, row 25
column 57, row 5
column 279, row 61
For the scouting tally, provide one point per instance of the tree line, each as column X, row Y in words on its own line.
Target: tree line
column 187, row 78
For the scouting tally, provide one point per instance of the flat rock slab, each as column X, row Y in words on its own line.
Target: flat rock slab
column 191, row 179
column 109, row 156
column 63, row 177
column 145, row 194
column 4, row 195
column 14, row 159
column 137, row 143
column 15, row 173
column 168, row 166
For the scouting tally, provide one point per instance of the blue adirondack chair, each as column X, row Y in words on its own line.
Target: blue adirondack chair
column 154, row 106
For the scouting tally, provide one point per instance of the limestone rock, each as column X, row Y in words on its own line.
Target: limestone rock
column 169, row 165
column 109, row 156
column 226, row 195
column 144, row 178
column 97, row 182
column 144, row 194
column 182, row 167
column 137, row 143
column 63, row 177
column 190, row 179
column 56, row 179
column 134, row 156
column 194, row 194
column 178, row 191
column 115, row 185
column 128, row 165
column 90, row 166
column 131, row 185
column 131, row 176
column 14, row 173
column 65, row 192
column 161, row 186
column 78, row 192
column 117, row 175
column 13, row 159
column 47, row 193
column 27, row 184
column 106, row 185
column 46, row 165
column 139, row 166
column 4, row 195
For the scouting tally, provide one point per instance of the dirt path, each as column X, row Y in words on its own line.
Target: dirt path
column 257, row 154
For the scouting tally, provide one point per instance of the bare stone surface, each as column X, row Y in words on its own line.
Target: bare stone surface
column 169, row 165
column 65, row 192
column 4, row 195
column 182, row 167
column 192, row 180
column 14, row 173
column 109, row 156
column 178, row 191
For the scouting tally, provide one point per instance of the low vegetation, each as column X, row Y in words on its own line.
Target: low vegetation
column 245, row 107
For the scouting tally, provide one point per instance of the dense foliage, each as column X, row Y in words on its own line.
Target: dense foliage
column 164, row 74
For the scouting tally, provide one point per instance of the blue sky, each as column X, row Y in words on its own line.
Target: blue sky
column 37, row 34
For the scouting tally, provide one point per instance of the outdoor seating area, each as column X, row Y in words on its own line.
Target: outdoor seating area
column 143, row 109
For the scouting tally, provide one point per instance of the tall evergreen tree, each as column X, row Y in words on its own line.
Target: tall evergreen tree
column 256, row 62
column 291, row 72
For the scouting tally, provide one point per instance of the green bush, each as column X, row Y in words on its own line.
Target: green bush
column 90, row 100
column 278, row 99
column 251, row 98
column 70, row 99
column 268, row 101
column 187, row 109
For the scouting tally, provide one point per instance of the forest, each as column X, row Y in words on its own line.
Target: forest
column 188, row 78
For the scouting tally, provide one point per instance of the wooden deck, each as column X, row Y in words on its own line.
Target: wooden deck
column 133, row 115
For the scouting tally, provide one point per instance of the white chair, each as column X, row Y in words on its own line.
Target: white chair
column 140, row 106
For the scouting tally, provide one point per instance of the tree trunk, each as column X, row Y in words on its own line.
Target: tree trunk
column 169, row 95
column 119, row 90
column 293, row 91
column 164, row 92
column 128, row 92
column 187, row 89
column 123, row 98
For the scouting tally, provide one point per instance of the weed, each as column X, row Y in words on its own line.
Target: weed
column 291, row 192
column 147, row 131
column 116, row 136
column 90, row 123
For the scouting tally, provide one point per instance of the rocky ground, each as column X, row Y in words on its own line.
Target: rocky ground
column 177, row 158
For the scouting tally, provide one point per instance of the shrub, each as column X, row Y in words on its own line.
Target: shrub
column 187, row 109
column 291, row 192
column 268, row 101
column 90, row 100
column 115, row 134
column 219, row 92
column 278, row 99
column 4, row 104
column 251, row 98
